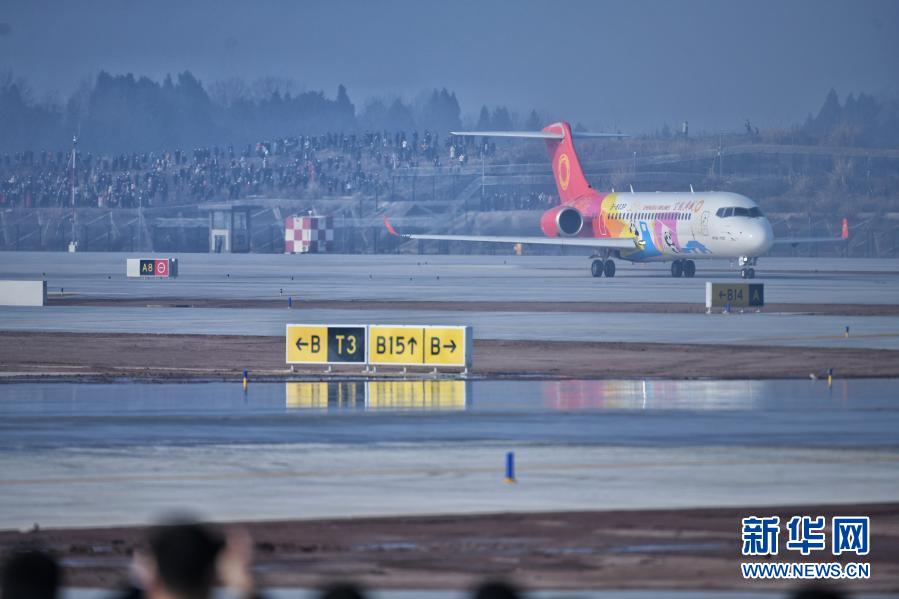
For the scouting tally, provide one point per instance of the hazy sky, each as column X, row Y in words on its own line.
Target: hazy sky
column 633, row 65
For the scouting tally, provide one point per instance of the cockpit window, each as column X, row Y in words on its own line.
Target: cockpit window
column 753, row 212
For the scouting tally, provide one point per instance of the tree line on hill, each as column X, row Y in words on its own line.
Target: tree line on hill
column 861, row 120
column 124, row 113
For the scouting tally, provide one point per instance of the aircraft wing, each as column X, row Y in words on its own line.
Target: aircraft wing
column 798, row 240
column 599, row 243
column 794, row 241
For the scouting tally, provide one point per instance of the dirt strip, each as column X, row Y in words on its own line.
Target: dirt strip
column 663, row 549
column 108, row 355
column 472, row 306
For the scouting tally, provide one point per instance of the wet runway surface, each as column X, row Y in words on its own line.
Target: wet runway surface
column 123, row 453
column 462, row 278
column 877, row 332
column 853, row 413
column 421, row 278
column 81, row 455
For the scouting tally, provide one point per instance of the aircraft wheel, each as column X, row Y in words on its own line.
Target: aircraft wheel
column 609, row 268
column 748, row 273
column 689, row 269
column 751, row 273
column 596, row 268
column 677, row 268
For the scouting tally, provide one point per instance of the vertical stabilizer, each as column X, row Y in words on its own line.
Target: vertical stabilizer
column 567, row 171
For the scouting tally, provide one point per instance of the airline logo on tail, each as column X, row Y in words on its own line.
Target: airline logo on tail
column 564, row 171
column 570, row 180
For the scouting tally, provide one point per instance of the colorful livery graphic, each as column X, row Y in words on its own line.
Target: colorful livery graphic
column 638, row 227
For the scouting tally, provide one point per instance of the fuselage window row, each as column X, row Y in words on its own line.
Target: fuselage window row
column 625, row 216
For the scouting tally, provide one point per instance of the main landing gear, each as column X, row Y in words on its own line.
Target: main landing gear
column 599, row 268
column 683, row 268
column 746, row 267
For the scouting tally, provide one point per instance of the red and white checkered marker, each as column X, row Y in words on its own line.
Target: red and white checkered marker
column 308, row 234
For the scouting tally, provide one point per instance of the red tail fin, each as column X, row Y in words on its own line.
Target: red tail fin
column 570, row 180
column 845, row 232
column 390, row 228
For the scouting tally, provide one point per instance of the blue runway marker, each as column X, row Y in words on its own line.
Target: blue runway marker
column 510, row 467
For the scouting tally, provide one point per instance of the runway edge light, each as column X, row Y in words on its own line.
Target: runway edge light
column 510, row 468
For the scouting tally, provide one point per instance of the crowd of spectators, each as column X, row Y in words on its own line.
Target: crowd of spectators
column 518, row 200
column 325, row 165
column 178, row 560
column 187, row 560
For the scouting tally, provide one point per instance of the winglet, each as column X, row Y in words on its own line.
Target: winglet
column 845, row 233
column 390, row 228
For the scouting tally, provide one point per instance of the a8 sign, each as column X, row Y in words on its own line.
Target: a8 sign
column 154, row 268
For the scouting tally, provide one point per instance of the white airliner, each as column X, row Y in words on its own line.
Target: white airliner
column 640, row 227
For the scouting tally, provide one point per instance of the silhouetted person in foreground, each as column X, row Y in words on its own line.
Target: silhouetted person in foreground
column 342, row 591
column 817, row 592
column 186, row 560
column 496, row 590
column 30, row 575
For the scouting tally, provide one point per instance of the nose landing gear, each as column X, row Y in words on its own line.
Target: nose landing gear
column 746, row 267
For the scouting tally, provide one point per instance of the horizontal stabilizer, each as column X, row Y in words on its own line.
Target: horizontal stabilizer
column 588, row 135
column 525, row 134
column 535, row 134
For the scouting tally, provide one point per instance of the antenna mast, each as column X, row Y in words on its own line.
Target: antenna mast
column 73, row 245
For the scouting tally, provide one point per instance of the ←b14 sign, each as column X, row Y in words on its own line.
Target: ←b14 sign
column 735, row 295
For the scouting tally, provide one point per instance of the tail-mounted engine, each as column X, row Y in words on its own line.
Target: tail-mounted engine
column 561, row 221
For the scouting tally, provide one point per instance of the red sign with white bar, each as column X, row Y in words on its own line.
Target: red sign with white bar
column 156, row 268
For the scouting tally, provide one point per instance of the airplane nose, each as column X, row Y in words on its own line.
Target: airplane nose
column 762, row 237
